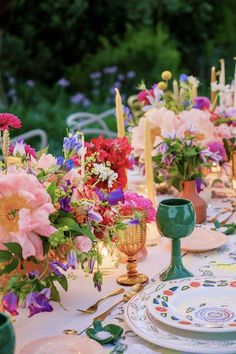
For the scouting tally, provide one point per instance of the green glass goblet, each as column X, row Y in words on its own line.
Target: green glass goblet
column 7, row 336
column 175, row 219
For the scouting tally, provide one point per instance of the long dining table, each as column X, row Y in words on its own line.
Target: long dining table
column 81, row 293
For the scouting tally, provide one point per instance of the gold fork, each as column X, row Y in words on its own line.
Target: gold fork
column 93, row 308
column 221, row 212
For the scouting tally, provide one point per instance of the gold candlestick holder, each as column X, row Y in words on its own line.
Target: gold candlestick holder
column 130, row 241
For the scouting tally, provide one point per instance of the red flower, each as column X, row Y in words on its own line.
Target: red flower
column 8, row 120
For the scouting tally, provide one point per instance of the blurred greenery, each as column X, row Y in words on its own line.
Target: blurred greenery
column 121, row 42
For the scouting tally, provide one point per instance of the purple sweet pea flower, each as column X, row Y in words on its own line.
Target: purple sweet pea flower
column 93, row 215
column 204, row 154
column 201, row 102
column 132, row 221
column 71, row 259
column 113, row 197
column 91, row 264
column 65, row 204
column 54, row 267
column 217, row 148
column 10, row 303
column 162, row 148
column 168, row 160
column 60, row 160
column 39, row 302
column 34, row 274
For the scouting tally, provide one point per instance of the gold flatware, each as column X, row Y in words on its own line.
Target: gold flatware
column 229, row 217
column 221, row 212
column 135, row 289
column 93, row 308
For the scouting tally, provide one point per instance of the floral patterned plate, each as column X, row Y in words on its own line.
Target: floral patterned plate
column 155, row 332
column 196, row 304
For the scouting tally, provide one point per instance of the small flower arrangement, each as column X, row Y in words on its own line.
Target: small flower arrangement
column 54, row 212
column 179, row 159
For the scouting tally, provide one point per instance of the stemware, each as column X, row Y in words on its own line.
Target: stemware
column 130, row 241
column 7, row 336
column 175, row 219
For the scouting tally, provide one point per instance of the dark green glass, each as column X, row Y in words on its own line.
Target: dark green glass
column 7, row 335
column 175, row 219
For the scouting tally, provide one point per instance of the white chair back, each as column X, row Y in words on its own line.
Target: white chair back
column 83, row 121
column 35, row 133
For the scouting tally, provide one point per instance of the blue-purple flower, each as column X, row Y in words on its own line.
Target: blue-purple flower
column 77, row 98
column 183, row 78
column 71, row 259
column 113, row 197
column 65, row 204
column 63, row 82
column 95, row 75
column 201, row 103
column 10, row 303
column 131, row 74
column 110, row 70
column 60, row 160
column 39, row 302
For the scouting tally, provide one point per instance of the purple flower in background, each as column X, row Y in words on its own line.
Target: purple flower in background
column 162, row 148
column 168, row 160
column 69, row 165
column 199, row 184
column 11, row 80
column 91, row 264
column 95, row 75
column 110, row 70
column 86, row 102
column 117, row 84
column 34, row 274
column 131, row 74
column 121, row 77
column 204, row 154
column 201, row 103
column 60, row 160
column 71, row 259
column 10, row 303
column 11, row 93
column 186, row 103
column 30, row 83
column 172, row 135
column 77, row 98
column 183, row 78
column 127, row 113
column 113, row 197
column 39, row 302
column 71, row 143
column 93, row 215
column 65, row 204
column 63, row 82
column 132, row 222
column 54, row 268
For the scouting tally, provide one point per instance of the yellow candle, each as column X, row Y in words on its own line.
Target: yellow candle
column 148, row 163
column 213, row 79
column 194, row 91
column 235, row 84
column 222, row 80
column 176, row 90
column 82, row 154
column 119, row 115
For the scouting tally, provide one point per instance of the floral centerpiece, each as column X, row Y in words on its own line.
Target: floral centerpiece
column 54, row 212
column 181, row 161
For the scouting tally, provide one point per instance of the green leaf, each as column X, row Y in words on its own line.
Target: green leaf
column 55, row 296
column 5, row 256
column 14, row 248
column 72, row 225
column 10, row 267
column 86, row 231
column 63, row 282
column 51, row 190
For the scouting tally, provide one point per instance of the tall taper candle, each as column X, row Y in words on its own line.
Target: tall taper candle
column 213, row 79
column 176, row 91
column 235, row 84
column 222, row 80
column 119, row 115
column 148, row 163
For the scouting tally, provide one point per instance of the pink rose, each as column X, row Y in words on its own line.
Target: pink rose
column 83, row 243
column 45, row 161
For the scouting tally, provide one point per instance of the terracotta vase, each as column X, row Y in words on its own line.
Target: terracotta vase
column 190, row 192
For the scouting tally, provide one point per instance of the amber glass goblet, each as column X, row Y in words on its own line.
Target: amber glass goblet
column 130, row 241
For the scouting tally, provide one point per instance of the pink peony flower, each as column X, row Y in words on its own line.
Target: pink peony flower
column 25, row 207
column 83, row 243
column 161, row 121
column 8, row 120
column 217, row 147
column 224, row 131
column 200, row 120
column 45, row 161
column 138, row 202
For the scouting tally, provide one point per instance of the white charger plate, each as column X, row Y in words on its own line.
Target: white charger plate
column 63, row 344
column 203, row 240
column 157, row 333
column 196, row 304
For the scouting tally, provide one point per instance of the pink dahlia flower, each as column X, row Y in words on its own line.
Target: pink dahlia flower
column 137, row 202
column 8, row 120
column 25, row 207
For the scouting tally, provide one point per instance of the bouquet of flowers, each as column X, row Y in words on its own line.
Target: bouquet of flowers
column 53, row 213
column 179, row 159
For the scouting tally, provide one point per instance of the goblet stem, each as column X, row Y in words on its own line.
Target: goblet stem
column 131, row 267
column 176, row 269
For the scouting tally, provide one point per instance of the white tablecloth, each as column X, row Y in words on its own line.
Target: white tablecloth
column 81, row 294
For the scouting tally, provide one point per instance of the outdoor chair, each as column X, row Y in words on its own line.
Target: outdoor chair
column 35, row 133
column 90, row 123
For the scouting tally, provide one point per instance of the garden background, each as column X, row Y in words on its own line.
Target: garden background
column 60, row 57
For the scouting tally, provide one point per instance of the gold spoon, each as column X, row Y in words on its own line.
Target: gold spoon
column 126, row 297
column 93, row 308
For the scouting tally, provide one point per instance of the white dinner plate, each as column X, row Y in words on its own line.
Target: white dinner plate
column 63, row 344
column 203, row 240
column 196, row 304
column 157, row 333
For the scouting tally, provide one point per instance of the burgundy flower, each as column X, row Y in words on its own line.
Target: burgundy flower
column 10, row 303
column 8, row 120
column 39, row 302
